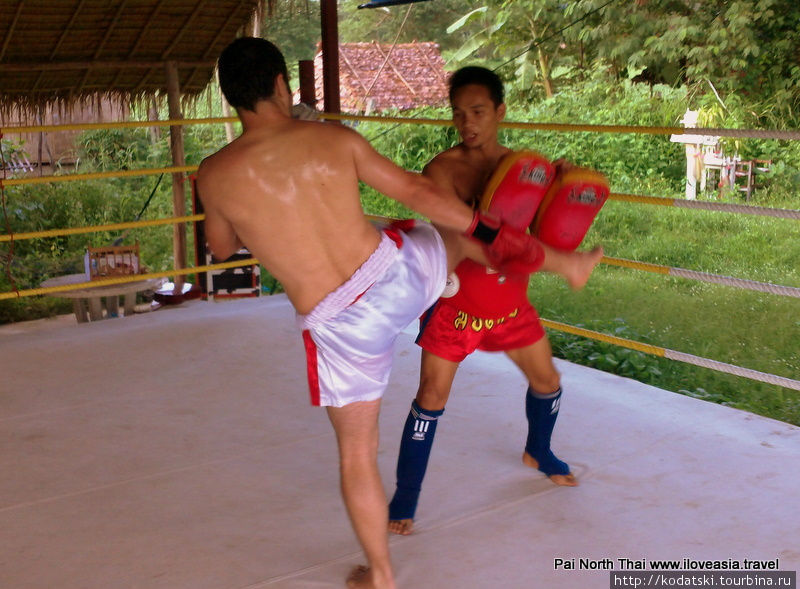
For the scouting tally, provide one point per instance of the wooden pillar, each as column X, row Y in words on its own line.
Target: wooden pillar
column 330, row 56
column 308, row 90
column 178, row 159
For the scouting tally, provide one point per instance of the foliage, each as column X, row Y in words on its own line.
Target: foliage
column 626, row 158
column 11, row 150
column 426, row 21
column 410, row 147
column 525, row 32
column 96, row 202
column 295, row 28
column 742, row 47
column 605, row 356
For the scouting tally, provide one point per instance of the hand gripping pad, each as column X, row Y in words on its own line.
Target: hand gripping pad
column 570, row 206
column 517, row 187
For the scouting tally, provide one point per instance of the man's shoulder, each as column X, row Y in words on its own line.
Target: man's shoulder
column 449, row 159
column 219, row 160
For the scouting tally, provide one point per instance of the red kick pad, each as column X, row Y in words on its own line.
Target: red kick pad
column 569, row 208
column 517, row 187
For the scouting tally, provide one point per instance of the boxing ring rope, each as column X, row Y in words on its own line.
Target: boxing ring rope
column 563, row 327
column 719, row 207
column 674, row 355
column 741, row 283
column 98, row 228
column 642, row 347
column 788, row 291
column 568, row 127
column 123, row 279
column 564, row 127
column 635, row 198
column 99, row 175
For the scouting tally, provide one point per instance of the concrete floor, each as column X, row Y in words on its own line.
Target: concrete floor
column 177, row 450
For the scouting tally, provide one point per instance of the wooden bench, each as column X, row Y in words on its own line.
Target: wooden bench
column 88, row 303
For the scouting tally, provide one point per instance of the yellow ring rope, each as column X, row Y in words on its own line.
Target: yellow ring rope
column 98, row 175
column 645, row 348
column 674, row 355
column 754, row 133
column 117, row 125
column 96, row 228
column 625, row 343
column 125, row 279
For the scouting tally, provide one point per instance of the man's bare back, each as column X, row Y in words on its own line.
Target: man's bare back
column 305, row 221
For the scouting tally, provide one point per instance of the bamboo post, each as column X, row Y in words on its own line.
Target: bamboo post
column 178, row 159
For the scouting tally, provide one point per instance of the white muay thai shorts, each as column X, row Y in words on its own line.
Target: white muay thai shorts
column 349, row 336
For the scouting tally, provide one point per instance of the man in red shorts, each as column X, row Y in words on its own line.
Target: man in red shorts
column 480, row 309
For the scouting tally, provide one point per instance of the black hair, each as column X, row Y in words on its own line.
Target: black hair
column 474, row 74
column 248, row 68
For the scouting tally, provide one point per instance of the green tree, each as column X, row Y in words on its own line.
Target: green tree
column 746, row 47
column 527, row 33
column 294, row 27
column 427, row 21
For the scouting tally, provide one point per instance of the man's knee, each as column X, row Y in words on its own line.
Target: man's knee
column 546, row 383
column 432, row 396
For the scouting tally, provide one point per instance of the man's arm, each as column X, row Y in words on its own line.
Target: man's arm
column 415, row 191
column 506, row 248
column 220, row 234
column 442, row 176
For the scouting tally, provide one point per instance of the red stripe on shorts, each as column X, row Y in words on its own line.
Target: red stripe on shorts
column 393, row 230
column 311, row 367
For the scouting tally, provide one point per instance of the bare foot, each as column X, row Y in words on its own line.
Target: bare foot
column 563, row 480
column 401, row 527
column 578, row 274
column 361, row 578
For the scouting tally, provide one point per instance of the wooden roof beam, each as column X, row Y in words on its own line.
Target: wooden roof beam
column 102, row 44
column 223, row 28
column 150, row 20
column 67, row 29
column 11, row 28
column 213, row 42
column 110, row 29
column 184, row 28
column 96, row 65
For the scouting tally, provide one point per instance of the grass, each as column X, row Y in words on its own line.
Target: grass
column 751, row 329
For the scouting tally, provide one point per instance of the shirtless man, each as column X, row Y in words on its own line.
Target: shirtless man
column 490, row 311
column 288, row 190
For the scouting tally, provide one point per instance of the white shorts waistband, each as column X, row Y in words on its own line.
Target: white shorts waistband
column 366, row 275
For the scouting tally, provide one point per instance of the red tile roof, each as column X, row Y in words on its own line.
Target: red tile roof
column 412, row 76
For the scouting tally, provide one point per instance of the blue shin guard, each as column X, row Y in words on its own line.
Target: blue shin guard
column 542, row 412
column 415, row 448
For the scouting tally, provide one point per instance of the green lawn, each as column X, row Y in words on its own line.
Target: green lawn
column 750, row 329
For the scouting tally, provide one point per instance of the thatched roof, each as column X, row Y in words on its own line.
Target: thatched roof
column 62, row 51
column 412, row 76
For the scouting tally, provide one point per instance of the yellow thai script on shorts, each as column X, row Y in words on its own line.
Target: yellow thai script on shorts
column 464, row 320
